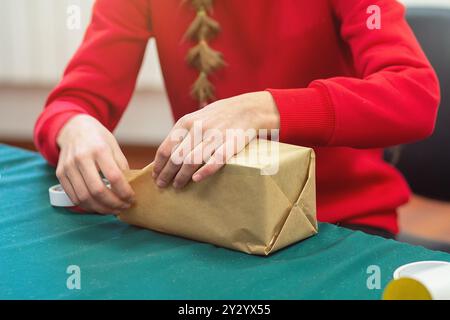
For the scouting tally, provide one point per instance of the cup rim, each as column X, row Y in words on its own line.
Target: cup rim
column 404, row 267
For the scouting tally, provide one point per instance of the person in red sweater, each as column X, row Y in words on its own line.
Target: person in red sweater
column 315, row 70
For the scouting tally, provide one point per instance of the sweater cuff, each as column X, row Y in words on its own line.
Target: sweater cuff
column 306, row 115
column 48, row 125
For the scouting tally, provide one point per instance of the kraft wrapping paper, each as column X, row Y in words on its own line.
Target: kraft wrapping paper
column 255, row 204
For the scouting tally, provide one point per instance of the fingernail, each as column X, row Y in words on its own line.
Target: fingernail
column 161, row 183
column 176, row 185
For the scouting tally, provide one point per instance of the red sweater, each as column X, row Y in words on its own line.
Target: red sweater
column 341, row 88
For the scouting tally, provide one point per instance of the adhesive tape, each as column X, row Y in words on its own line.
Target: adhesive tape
column 59, row 198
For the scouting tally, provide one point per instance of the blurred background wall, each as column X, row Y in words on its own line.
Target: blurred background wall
column 36, row 45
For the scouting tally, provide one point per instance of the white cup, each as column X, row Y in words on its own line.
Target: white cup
column 434, row 276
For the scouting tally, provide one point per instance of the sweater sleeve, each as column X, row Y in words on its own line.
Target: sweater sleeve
column 392, row 99
column 101, row 76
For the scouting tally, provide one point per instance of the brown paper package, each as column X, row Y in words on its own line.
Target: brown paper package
column 243, row 207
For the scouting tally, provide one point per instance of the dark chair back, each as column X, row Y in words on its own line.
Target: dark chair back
column 426, row 164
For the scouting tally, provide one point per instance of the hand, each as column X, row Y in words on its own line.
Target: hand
column 87, row 147
column 200, row 143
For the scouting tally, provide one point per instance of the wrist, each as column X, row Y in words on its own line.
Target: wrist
column 266, row 110
column 65, row 133
column 61, row 137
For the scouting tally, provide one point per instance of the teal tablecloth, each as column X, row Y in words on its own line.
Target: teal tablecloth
column 39, row 242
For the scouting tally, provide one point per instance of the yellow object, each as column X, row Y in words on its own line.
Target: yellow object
column 406, row 289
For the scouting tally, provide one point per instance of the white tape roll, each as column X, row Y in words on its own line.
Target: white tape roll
column 59, row 198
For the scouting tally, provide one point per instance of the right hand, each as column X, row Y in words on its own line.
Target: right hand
column 87, row 147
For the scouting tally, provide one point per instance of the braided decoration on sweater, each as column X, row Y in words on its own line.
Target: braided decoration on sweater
column 202, row 57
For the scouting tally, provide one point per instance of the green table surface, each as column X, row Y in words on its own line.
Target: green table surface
column 118, row 261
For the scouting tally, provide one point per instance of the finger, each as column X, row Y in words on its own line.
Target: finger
column 86, row 200
column 174, row 138
column 190, row 165
column 111, row 171
column 120, row 158
column 231, row 146
column 222, row 154
column 79, row 186
column 67, row 186
column 94, row 206
column 64, row 181
column 176, row 160
column 97, row 187
column 193, row 162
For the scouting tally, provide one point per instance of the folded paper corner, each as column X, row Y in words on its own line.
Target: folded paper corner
column 301, row 221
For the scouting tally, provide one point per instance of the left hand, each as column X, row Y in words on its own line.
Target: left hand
column 199, row 144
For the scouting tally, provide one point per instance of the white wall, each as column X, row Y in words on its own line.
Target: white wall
column 36, row 42
column 433, row 3
column 35, row 45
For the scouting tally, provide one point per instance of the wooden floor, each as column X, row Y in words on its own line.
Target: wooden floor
column 426, row 218
column 421, row 218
